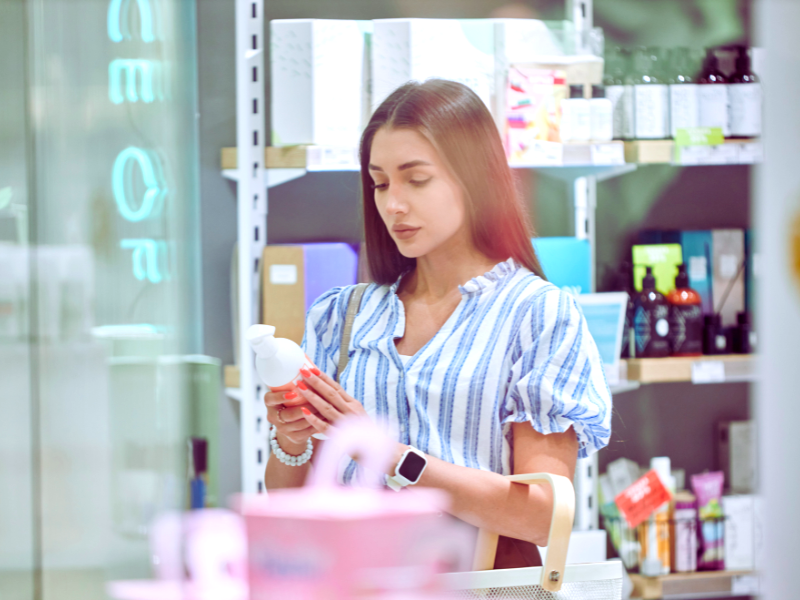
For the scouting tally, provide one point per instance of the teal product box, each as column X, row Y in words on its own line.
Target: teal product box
column 566, row 262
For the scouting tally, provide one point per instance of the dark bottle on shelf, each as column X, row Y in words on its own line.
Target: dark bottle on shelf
column 625, row 284
column 744, row 338
column 651, row 320
column 715, row 338
column 744, row 91
column 685, row 317
column 713, row 95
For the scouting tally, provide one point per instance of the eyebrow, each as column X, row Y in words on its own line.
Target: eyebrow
column 404, row 166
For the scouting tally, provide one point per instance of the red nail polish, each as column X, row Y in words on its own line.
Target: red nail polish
column 305, row 411
column 316, row 371
column 302, row 385
column 305, row 372
column 289, row 396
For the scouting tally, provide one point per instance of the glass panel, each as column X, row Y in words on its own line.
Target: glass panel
column 96, row 371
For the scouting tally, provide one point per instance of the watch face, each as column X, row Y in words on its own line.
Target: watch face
column 411, row 467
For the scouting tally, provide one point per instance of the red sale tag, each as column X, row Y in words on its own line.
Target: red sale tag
column 641, row 499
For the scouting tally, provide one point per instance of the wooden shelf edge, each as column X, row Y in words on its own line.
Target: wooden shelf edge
column 706, row 584
column 679, row 368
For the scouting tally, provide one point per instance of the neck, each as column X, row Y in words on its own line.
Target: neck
column 439, row 273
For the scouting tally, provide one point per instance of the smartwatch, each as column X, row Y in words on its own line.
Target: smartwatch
column 408, row 470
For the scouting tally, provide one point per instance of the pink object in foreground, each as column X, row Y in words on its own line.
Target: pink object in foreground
column 325, row 540
column 208, row 544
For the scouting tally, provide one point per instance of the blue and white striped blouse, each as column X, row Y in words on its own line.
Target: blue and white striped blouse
column 515, row 349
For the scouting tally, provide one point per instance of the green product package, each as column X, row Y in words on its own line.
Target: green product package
column 664, row 258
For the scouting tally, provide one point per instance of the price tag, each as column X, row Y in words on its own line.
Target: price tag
column 283, row 274
column 708, row 371
column 332, row 158
column 745, row 585
column 608, row 154
column 751, row 153
column 640, row 500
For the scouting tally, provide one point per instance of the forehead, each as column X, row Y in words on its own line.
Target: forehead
column 394, row 147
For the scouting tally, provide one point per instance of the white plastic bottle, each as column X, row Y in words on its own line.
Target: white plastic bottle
column 651, row 98
column 576, row 122
column 713, row 95
column 602, row 115
column 278, row 360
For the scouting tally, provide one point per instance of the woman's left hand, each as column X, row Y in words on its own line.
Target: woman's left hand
column 329, row 398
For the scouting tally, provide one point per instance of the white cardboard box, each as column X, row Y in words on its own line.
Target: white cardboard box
column 740, row 532
column 419, row 49
column 319, row 81
column 737, row 453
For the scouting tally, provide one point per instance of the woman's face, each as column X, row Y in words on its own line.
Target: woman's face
column 418, row 199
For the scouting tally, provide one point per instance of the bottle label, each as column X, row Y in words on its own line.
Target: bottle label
column 652, row 331
column 714, row 106
column 686, row 329
column 684, row 107
column 745, row 109
column 652, row 111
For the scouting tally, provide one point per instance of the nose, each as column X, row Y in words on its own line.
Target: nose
column 395, row 203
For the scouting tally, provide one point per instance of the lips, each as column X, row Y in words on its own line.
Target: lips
column 404, row 232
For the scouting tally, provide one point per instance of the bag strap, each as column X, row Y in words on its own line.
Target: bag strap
column 353, row 305
column 557, row 539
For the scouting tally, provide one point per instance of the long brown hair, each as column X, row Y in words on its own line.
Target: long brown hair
column 458, row 124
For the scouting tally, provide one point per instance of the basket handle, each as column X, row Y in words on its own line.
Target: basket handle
column 557, row 539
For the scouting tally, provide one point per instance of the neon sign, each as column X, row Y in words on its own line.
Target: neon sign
column 122, row 184
column 118, row 17
column 147, row 71
column 145, row 258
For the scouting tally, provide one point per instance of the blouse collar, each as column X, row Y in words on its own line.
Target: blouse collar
column 478, row 284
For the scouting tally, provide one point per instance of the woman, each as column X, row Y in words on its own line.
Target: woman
column 460, row 346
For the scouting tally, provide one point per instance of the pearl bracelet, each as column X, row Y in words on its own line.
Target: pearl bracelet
column 288, row 459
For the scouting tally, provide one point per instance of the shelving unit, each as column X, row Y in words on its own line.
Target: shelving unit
column 580, row 165
column 707, row 584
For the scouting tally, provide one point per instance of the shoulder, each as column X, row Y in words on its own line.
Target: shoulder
column 331, row 307
column 538, row 299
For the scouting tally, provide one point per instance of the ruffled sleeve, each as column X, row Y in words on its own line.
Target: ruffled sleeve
column 557, row 378
column 323, row 331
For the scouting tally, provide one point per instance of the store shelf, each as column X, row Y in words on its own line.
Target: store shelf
column 697, row 369
column 234, row 393
column 708, row 584
column 732, row 152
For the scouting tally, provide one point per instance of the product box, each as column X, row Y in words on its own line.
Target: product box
column 728, row 273
column 664, row 258
column 293, row 277
column 418, row 49
column 566, row 262
column 736, row 441
column 751, row 270
column 533, row 115
column 622, row 474
column 319, row 88
column 740, row 532
column 523, row 41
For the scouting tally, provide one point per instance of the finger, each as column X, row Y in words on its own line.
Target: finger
column 283, row 425
column 326, row 391
column 328, row 379
column 325, row 409
column 315, row 422
column 290, row 415
column 273, row 398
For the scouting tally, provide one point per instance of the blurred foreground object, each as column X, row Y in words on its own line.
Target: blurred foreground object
column 200, row 555
column 326, row 540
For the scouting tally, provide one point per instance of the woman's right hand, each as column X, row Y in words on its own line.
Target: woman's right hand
column 293, row 429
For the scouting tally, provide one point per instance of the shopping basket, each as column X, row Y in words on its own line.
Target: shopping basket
column 553, row 581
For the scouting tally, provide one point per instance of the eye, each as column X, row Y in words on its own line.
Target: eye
column 419, row 182
column 380, row 186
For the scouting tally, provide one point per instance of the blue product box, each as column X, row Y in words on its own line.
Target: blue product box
column 328, row 266
column 566, row 262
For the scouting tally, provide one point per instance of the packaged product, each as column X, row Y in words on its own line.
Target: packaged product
column 707, row 488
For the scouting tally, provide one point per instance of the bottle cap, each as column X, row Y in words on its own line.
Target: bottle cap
column 576, row 91
column 742, row 60
column 681, row 279
column 663, row 466
column 649, row 281
column 262, row 340
column 198, row 455
column 743, row 318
